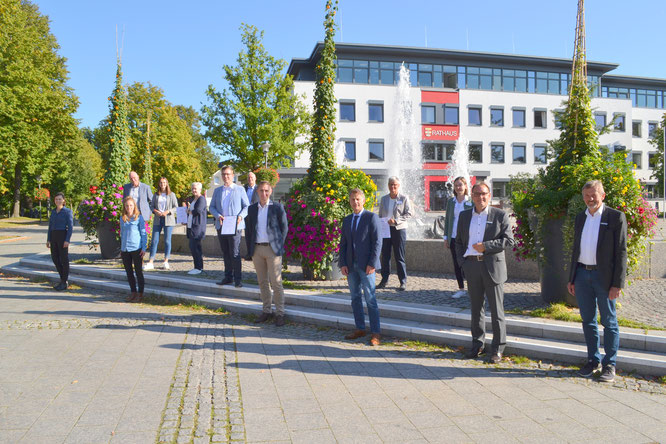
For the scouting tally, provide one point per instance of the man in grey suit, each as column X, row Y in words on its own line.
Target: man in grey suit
column 398, row 209
column 251, row 188
column 229, row 201
column 141, row 193
column 266, row 230
column 597, row 274
column 484, row 232
column 360, row 245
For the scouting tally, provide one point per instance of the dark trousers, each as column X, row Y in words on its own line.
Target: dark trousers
column 460, row 276
column 396, row 243
column 60, row 254
column 230, row 245
column 480, row 285
column 197, row 253
column 133, row 259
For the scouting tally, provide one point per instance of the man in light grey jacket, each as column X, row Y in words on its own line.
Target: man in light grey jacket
column 142, row 194
column 398, row 209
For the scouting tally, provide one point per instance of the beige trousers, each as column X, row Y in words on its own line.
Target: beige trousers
column 269, row 269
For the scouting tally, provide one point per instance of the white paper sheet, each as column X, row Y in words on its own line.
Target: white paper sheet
column 181, row 215
column 229, row 225
column 385, row 228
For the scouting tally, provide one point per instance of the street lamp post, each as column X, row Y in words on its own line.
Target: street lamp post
column 265, row 147
column 39, row 194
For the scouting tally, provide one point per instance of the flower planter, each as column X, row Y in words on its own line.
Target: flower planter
column 109, row 244
column 554, row 268
column 333, row 274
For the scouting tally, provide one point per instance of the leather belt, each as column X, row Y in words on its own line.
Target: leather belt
column 265, row 244
column 587, row 267
column 478, row 258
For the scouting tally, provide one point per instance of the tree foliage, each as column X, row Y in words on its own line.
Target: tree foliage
column 118, row 166
column 36, row 105
column 258, row 105
column 657, row 141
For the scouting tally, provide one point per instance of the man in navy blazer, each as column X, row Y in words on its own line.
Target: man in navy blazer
column 266, row 230
column 360, row 247
column 229, row 200
column 142, row 194
column 597, row 274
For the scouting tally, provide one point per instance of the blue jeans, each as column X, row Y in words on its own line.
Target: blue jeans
column 158, row 224
column 361, row 283
column 590, row 294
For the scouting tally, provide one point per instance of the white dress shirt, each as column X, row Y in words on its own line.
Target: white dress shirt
column 589, row 237
column 391, row 208
column 262, row 223
column 226, row 196
column 134, row 193
column 477, row 227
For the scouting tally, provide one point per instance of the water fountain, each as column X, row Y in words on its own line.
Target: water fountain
column 459, row 165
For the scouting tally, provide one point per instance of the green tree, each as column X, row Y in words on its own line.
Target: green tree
column 257, row 106
column 118, row 166
column 36, row 105
column 657, row 141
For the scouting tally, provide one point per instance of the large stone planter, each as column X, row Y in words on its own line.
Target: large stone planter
column 553, row 270
column 109, row 245
column 333, row 274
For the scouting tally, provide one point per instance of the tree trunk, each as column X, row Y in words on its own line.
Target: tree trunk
column 17, row 191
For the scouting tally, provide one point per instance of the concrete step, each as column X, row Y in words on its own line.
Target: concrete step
column 516, row 325
column 243, row 301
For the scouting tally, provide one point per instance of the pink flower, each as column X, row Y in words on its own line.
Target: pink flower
column 114, row 213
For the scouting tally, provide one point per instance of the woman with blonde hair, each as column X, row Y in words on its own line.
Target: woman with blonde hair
column 459, row 202
column 133, row 240
column 164, row 208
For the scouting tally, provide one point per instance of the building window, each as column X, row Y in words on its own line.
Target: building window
column 652, row 128
column 501, row 189
column 437, row 152
column 518, row 118
column 376, row 112
column 600, row 120
column 636, row 128
column 345, row 71
column 619, row 122
column 376, row 150
column 347, row 111
column 449, row 149
column 652, row 160
column 557, row 118
column 637, row 159
column 475, row 153
column 427, row 114
column 540, row 154
column 474, row 115
column 350, row 149
column 519, row 154
column 450, row 115
column 539, row 118
column 496, row 153
column 496, row 116
column 619, row 148
column 360, row 71
column 386, row 72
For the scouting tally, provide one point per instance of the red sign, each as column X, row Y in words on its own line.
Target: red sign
column 440, row 132
column 439, row 97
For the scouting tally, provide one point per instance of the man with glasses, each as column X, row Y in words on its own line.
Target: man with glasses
column 484, row 232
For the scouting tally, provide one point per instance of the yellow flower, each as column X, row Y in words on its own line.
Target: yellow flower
column 595, row 172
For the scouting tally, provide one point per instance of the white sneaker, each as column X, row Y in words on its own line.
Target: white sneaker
column 194, row 271
column 149, row 266
column 458, row 294
column 166, row 266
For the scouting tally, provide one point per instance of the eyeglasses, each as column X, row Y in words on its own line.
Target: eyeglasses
column 480, row 194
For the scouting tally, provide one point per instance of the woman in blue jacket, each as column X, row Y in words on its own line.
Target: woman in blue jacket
column 61, row 224
column 133, row 242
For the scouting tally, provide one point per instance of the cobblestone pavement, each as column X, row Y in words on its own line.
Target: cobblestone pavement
column 80, row 367
column 642, row 301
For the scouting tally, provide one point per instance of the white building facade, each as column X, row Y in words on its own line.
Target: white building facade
column 503, row 104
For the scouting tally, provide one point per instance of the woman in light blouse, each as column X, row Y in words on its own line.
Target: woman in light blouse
column 164, row 208
column 454, row 206
column 61, row 225
column 133, row 240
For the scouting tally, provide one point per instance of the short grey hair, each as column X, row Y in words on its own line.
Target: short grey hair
column 596, row 184
column 197, row 185
column 394, row 179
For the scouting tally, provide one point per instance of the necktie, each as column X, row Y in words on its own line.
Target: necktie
column 355, row 224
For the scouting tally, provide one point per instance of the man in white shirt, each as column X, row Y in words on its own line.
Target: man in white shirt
column 597, row 275
column 484, row 232
column 265, row 234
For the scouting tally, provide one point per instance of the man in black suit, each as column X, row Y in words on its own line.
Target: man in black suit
column 360, row 246
column 251, row 188
column 596, row 277
column 484, row 232
column 266, row 229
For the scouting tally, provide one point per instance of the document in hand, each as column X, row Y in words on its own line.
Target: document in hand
column 385, row 228
column 181, row 215
column 229, row 225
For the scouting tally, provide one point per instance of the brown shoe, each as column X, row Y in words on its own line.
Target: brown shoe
column 139, row 297
column 279, row 320
column 132, row 297
column 356, row 334
column 262, row 318
column 374, row 339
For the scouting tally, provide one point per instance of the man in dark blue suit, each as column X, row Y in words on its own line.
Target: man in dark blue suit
column 360, row 246
column 266, row 229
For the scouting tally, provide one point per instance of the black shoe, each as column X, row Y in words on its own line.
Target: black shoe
column 607, row 374
column 263, row 318
column 588, row 369
column 225, row 281
column 495, row 358
column 475, row 352
column 382, row 283
column 279, row 320
column 238, row 284
column 62, row 286
column 402, row 286
column 57, row 286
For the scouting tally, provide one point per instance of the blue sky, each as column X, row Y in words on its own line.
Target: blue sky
column 181, row 46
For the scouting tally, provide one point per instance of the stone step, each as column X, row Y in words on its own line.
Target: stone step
column 641, row 361
column 516, row 325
